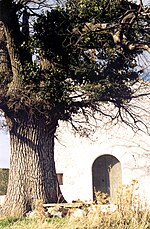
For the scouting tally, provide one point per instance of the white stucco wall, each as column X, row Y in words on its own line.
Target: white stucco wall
column 74, row 156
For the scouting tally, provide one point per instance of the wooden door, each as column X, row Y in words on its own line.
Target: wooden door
column 106, row 174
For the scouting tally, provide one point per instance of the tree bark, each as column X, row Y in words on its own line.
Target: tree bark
column 32, row 173
column 5, row 68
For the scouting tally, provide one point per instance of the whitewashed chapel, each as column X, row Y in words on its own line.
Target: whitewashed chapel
column 114, row 154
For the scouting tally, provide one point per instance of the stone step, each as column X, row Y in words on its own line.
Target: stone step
column 65, row 205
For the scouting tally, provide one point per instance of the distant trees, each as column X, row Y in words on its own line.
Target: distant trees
column 77, row 56
column 4, row 181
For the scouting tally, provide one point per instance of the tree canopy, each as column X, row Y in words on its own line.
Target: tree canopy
column 79, row 53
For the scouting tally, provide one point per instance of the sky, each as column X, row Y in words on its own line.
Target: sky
column 4, row 138
column 4, row 149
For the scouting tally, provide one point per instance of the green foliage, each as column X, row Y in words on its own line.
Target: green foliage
column 101, row 11
column 60, row 35
column 77, row 61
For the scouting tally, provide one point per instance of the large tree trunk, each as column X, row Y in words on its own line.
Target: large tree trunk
column 32, row 173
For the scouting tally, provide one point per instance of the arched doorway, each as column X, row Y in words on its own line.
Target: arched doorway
column 106, row 175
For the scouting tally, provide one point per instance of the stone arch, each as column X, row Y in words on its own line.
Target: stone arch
column 106, row 175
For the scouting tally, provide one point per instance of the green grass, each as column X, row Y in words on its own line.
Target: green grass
column 7, row 222
column 96, row 221
column 26, row 223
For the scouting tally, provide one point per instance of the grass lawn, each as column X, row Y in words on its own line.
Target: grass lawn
column 27, row 223
column 95, row 221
